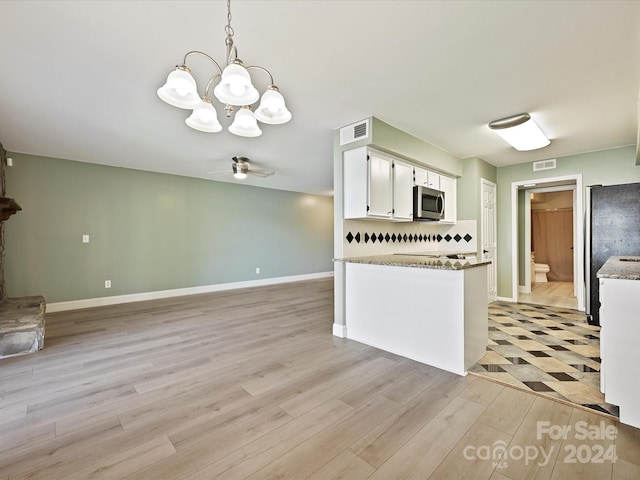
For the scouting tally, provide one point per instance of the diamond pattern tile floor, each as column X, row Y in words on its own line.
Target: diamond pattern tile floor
column 551, row 351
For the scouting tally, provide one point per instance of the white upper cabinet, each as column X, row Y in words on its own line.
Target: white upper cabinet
column 380, row 186
column 426, row 178
column 402, row 191
column 372, row 188
column 448, row 186
column 367, row 184
column 420, row 177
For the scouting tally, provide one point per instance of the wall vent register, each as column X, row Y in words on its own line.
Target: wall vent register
column 544, row 165
column 356, row 131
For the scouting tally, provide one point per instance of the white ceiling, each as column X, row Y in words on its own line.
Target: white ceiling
column 79, row 79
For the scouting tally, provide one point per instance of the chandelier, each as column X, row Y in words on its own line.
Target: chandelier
column 234, row 88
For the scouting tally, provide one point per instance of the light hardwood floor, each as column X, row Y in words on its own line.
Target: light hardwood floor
column 251, row 384
column 552, row 294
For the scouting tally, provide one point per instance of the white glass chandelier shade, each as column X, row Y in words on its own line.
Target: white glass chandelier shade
column 521, row 132
column 240, row 175
column 272, row 109
column 204, row 118
column 235, row 87
column 180, row 90
column 245, row 124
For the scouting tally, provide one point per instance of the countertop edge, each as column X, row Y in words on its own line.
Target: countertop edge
column 617, row 268
column 414, row 261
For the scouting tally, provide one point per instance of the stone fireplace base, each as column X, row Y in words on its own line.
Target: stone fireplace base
column 21, row 325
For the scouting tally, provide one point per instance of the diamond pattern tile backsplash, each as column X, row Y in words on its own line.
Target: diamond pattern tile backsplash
column 362, row 237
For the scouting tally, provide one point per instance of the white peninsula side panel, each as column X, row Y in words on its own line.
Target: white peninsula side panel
column 619, row 336
column 437, row 317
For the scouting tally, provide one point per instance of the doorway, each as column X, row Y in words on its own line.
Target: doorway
column 566, row 285
column 549, row 232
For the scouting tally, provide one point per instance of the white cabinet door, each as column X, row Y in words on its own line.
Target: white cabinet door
column 402, row 191
column 380, row 196
column 433, row 180
column 426, row 178
column 448, row 186
column 355, row 171
column 367, row 184
column 420, row 177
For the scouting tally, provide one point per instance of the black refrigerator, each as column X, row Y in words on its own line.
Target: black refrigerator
column 612, row 227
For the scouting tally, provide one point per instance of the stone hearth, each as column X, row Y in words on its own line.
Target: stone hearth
column 21, row 318
column 21, row 325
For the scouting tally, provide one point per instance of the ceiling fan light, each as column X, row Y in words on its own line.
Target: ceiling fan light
column 272, row 109
column 204, row 118
column 235, row 87
column 239, row 170
column 521, row 132
column 180, row 89
column 244, row 124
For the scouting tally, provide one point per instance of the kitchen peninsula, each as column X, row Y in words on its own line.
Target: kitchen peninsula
column 432, row 309
column 620, row 330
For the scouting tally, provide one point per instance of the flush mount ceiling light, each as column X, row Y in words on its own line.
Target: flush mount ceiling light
column 521, row 132
column 234, row 88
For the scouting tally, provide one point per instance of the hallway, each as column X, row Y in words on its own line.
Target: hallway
column 551, row 294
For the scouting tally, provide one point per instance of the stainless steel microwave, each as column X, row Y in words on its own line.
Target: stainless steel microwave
column 428, row 204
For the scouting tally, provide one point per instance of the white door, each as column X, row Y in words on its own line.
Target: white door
column 488, row 233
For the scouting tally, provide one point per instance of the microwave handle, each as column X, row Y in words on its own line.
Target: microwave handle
column 440, row 204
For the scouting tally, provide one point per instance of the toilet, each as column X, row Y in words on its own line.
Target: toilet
column 538, row 270
column 541, row 270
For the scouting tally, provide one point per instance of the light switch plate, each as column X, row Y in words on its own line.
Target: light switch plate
column 85, row 238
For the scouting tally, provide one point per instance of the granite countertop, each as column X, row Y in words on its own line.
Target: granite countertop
column 624, row 268
column 416, row 261
column 438, row 253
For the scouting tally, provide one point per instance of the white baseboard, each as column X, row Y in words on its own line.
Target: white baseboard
column 524, row 289
column 339, row 330
column 178, row 292
column 506, row 299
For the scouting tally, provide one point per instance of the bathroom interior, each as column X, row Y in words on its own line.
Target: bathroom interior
column 551, row 254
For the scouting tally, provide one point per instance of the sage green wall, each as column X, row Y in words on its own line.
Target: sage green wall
column 606, row 167
column 469, row 204
column 469, row 189
column 396, row 141
column 151, row 232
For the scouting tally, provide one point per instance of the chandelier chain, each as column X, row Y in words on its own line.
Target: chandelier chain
column 228, row 29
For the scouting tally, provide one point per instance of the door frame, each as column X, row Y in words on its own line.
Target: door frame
column 527, row 231
column 578, row 249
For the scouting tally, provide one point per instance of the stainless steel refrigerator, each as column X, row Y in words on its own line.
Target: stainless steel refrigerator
column 612, row 227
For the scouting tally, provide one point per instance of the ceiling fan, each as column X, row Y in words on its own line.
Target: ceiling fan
column 242, row 166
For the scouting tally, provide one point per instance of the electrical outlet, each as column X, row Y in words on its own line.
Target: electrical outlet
column 85, row 238
column 107, row 284
column 257, row 270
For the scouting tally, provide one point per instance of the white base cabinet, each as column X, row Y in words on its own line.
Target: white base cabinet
column 437, row 317
column 619, row 352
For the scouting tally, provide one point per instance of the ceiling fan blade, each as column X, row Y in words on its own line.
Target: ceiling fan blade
column 260, row 172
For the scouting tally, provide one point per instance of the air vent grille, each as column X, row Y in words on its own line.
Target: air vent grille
column 356, row 131
column 360, row 130
column 544, row 165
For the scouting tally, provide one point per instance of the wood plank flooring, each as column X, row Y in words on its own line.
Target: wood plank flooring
column 251, row 384
column 553, row 294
